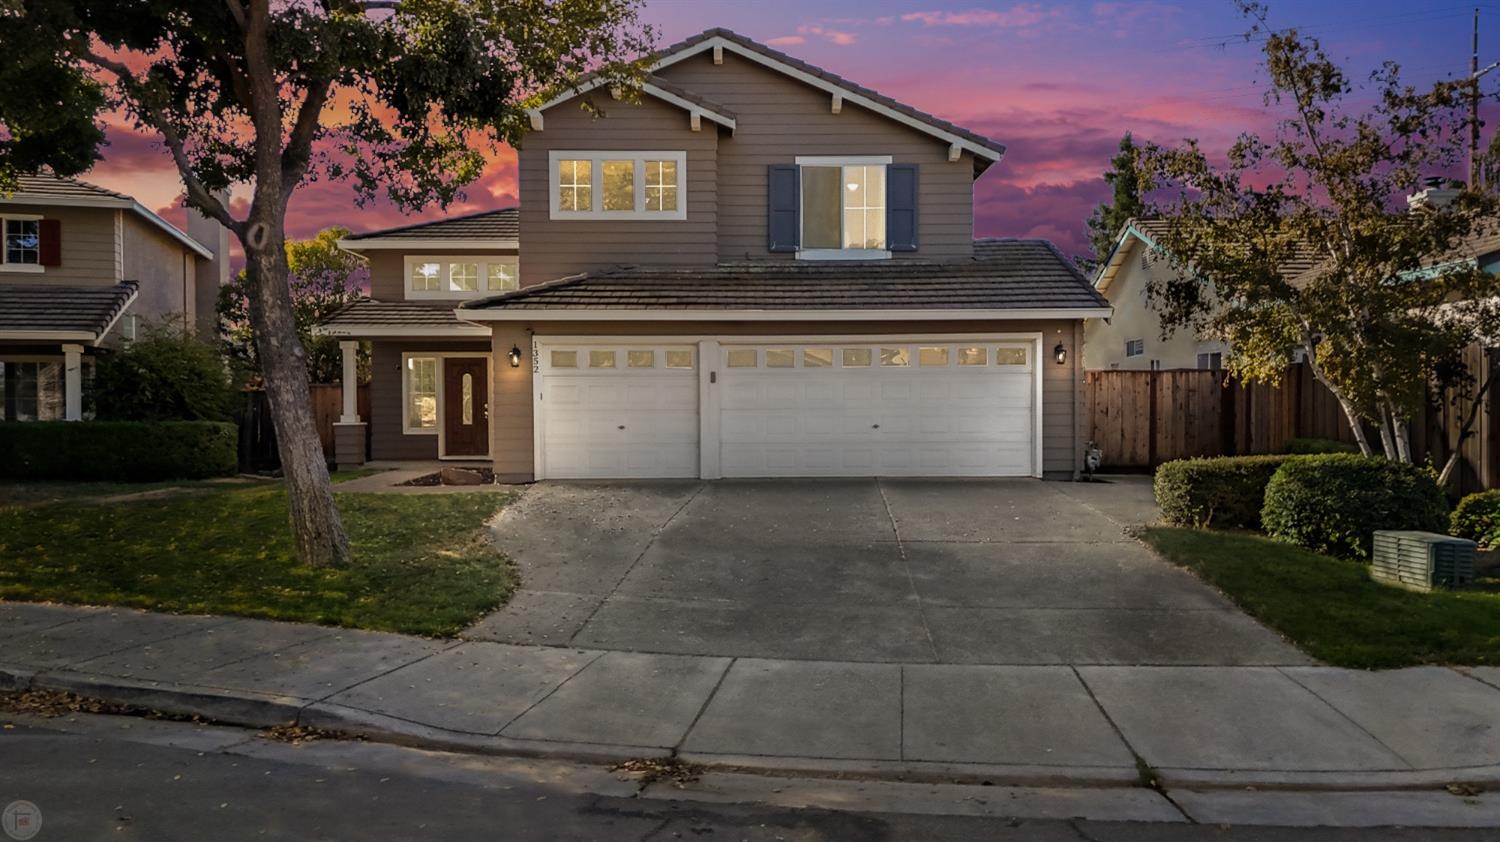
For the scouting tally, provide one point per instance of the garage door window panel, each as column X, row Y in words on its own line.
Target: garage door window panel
column 857, row 357
column 930, row 356
column 679, row 359
column 601, row 359
column 817, row 358
column 781, row 358
column 742, row 358
column 895, row 357
column 640, row 359
column 1010, row 356
column 564, row 359
column 973, row 356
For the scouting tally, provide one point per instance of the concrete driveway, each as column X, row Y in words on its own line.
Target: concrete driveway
column 903, row 571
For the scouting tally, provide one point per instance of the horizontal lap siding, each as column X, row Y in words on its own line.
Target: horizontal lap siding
column 89, row 256
column 513, row 450
column 554, row 248
column 388, row 268
column 387, row 441
column 779, row 118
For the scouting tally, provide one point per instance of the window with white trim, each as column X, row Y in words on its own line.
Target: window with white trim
column 624, row 185
column 843, row 207
column 421, row 388
column 460, row 276
column 23, row 243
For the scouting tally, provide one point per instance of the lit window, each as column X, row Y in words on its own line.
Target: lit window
column 1010, row 356
column 843, row 207
column 972, row 356
column 575, row 190
column 661, row 185
column 503, row 276
column 463, row 277
column 619, row 185
column 640, row 359
column 601, row 359
column 933, row 356
column 564, row 359
column 817, row 358
column 781, row 358
column 23, row 241
column 742, row 358
column 421, row 393
column 857, row 357
column 468, row 399
column 426, row 277
column 895, row 357
column 679, row 359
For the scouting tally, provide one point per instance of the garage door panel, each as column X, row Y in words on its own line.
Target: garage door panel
column 627, row 423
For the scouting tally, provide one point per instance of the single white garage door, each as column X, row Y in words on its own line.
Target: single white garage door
column 624, row 411
column 887, row 409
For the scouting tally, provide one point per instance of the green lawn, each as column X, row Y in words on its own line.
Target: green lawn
column 422, row 562
column 1331, row 608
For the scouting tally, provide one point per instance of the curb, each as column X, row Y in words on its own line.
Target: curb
column 263, row 711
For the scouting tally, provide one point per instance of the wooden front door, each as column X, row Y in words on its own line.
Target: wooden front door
column 466, row 401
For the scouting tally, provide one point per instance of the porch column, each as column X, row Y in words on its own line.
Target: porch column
column 350, row 348
column 72, row 382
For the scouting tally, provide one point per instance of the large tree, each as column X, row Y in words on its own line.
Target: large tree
column 401, row 98
column 324, row 278
column 1125, row 203
column 1302, row 243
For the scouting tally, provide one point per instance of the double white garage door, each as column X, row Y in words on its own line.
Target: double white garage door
column 821, row 409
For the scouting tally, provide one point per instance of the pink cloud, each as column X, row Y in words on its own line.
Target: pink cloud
column 833, row 36
column 1019, row 16
column 786, row 41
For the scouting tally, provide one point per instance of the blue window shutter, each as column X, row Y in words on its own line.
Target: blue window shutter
column 901, row 207
column 783, row 205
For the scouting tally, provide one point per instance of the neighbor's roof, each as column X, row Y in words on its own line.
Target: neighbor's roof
column 986, row 151
column 491, row 228
column 1151, row 231
column 62, row 312
column 47, row 189
column 366, row 317
column 1021, row 277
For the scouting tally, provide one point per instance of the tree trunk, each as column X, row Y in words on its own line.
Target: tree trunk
column 1402, row 431
column 1387, row 438
column 317, row 530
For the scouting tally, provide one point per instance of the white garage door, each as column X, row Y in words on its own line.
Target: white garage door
column 620, row 411
column 887, row 409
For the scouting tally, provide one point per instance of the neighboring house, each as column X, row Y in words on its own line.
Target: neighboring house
column 1131, row 339
column 759, row 269
column 82, row 269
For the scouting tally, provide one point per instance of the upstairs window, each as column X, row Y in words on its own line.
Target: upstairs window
column 467, row 276
column 842, row 208
column 22, row 247
column 617, row 185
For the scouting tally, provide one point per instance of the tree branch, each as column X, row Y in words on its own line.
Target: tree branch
column 298, row 152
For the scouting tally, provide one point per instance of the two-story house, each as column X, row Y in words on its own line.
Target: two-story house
column 81, row 270
column 757, row 269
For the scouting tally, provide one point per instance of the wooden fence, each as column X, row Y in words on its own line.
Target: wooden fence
column 258, row 434
column 1140, row 419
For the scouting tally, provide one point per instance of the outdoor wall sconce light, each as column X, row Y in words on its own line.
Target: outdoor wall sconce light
column 515, row 356
column 1060, row 354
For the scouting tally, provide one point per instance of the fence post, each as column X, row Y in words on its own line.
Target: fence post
column 1151, row 422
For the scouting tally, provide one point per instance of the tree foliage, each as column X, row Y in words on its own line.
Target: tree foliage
column 1108, row 218
column 323, row 279
column 399, row 98
column 1301, row 243
column 166, row 374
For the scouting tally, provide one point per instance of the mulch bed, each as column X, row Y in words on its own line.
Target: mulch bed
column 487, row 477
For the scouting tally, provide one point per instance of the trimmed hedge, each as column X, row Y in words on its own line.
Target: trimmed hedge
column 1224, row 491
column 126, row 451
column 1307, row 447
column 1334, row 503
column 1477, row 517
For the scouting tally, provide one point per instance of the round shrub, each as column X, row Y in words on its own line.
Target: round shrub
column 1223, row 491
column 1477, row 517
column 1308, row 446
column 1334, row 503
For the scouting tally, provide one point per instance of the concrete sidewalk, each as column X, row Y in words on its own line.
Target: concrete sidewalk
column 1312, row 727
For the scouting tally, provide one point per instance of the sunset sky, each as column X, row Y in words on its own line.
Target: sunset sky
column 1057, row 82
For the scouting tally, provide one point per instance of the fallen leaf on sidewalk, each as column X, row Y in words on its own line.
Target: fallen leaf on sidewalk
column 649, row 770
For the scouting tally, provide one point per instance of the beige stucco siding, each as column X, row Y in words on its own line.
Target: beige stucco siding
column 1104, row 342
column 165, row 269
column 388, row 268
column 780, row 118
column 554, row 248
column 89, row 255
column 387, row 440
column 513, row 397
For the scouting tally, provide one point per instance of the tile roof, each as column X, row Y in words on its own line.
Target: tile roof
column 366, row 311
column 1305, row 258
column 46, row 186
column 503, row 224
column 60, row 309
column 1004, row 274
